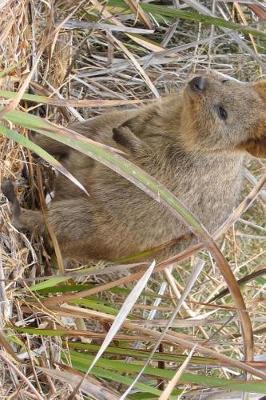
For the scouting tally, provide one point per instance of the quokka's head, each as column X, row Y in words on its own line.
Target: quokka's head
column 220, row 113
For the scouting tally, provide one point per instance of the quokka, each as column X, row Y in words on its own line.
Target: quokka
column 194, row 142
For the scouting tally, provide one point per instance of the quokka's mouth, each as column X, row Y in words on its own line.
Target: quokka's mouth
column 256, row 147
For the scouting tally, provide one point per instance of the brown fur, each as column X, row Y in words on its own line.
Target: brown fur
column 183, row 142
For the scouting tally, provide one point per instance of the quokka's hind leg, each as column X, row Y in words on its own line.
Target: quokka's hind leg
column 29, row 220
column 70, row 219
column 86, row 230
column 83, row 228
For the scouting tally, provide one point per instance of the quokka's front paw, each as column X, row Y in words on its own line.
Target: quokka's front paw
column 126, row 138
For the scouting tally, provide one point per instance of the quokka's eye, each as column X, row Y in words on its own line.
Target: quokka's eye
column 222, row 113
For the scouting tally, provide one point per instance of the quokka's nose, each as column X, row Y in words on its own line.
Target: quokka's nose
column 198, row 84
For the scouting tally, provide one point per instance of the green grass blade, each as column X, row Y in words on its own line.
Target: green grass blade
column 49, row 283
column 7, row 94
column 164, row 11
column 58, row 332
column 142, row 354
column 96, row 305
column 82, row 365
column 186, row 378
column 62, row 288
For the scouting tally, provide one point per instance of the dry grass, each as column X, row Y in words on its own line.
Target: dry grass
column 89, row 62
